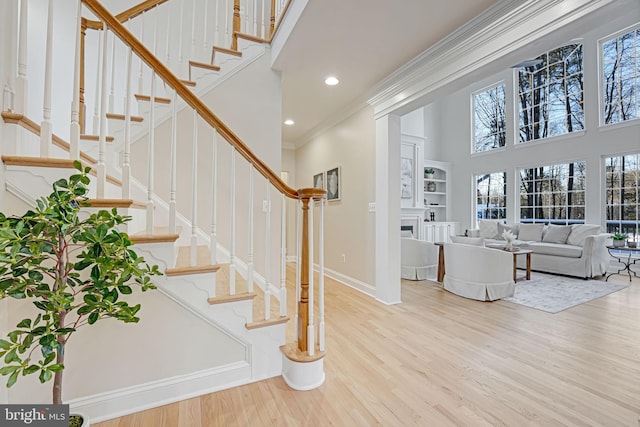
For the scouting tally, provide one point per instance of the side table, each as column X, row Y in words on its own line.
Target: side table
column 623, row 255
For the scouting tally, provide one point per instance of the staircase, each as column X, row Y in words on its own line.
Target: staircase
column 203, row 206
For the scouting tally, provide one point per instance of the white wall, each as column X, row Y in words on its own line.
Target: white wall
column 590, row 146
column 349, row 227
column 168, row 342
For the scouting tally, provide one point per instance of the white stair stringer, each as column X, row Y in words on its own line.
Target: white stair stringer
column 192, row 292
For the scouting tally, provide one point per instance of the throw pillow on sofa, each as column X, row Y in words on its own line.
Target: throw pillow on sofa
column 579, row 233
column 531, row 232
column 488, row 228
column 475, row 241
column 514, row 228
column 556, row 234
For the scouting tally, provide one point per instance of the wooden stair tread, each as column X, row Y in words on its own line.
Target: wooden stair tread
column 249, row 37
column 292, row 352
column 87, row 137
column 137, row 119
column 116, row 203
column 269, row 322
column 31, row 126
column 204, row 65
column 153, row 238
column 188, row 83
column 195, row 269
column 157, row 99
column 231, row 298
column 50, row 162
column 225, row 51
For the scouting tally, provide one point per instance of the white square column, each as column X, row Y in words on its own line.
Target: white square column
column 387, row 221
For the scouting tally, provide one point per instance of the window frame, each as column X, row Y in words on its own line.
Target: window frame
column 504, row 196
column 474, row 142
column 616, row 225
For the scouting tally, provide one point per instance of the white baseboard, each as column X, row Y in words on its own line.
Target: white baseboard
column 118, row 403
column 356, row 284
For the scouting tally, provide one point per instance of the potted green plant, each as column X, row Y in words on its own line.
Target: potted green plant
column 619, row 239
column 74, row 268
column 428, row 173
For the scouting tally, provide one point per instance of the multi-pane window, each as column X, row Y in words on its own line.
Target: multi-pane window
column 621, row 77
column 491, row 195
column 550, row 94
column 553, row 194
column 489, row 119
column 623, row 200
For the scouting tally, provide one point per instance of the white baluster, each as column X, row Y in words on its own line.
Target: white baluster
column 167, row 38
column 251, row 231
column 151, row 154
column 216, row 39
column 194, row 194
column 193, row 30
column 113, row 75
column 140, row 71
column 321, row 276
column 180, row 41
column 232, row 245
column 126, row 156
column 283, row 258
column 204, row 25
column 46, row 132
column 255, row 17
column 102, row 144
column 173, row 168
column 74, row 142
column 96, row 104
column 311, row 344
column 298, row 257
column 267, row 257
column 21, row 80
column 264, row 20
column 227, row 19
column 214, row 186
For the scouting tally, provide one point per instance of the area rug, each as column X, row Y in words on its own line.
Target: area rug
column 553, row 294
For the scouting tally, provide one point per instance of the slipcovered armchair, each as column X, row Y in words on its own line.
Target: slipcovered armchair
column 418, row 259
column 477, row 272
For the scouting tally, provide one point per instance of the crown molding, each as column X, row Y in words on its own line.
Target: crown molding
column 504, row 28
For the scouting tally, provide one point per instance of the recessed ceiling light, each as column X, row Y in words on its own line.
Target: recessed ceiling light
column 289, row 122
column 331, row 81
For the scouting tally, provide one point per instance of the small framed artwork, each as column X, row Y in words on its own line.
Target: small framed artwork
column 406, row 178
column 334, row 183
column 318, row 180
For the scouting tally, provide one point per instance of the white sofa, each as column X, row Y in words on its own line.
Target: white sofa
column 478, row 272
column 575, row 250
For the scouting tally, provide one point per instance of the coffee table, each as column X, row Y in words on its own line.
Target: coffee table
column 527, row 252
column 626, row 260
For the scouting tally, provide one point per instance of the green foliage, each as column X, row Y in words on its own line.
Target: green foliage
column 619, row 236
column 74, row 271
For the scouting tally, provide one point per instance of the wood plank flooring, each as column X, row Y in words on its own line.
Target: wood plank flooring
column 441, row 360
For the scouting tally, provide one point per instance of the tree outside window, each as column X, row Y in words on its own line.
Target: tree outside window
column 491, row 195
column 550, row 94
column 553, row 194
column 621, row 80
column 622, row 174
column 489, row 119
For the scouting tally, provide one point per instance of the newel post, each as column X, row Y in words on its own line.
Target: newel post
column 302, row 361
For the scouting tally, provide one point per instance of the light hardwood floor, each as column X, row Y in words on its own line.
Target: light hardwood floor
column 441, row 360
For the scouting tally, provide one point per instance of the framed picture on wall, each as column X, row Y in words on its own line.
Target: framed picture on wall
column 334, row 183
column 406, row 177
column 318, row 180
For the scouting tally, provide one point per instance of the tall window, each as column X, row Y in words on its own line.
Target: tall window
column 491, row 200
column 553, row 194
column 551, row 94
column 621, row 77
column 489, row 119
column 623, row 187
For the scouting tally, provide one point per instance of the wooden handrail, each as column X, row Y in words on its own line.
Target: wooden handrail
column 194, row 102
